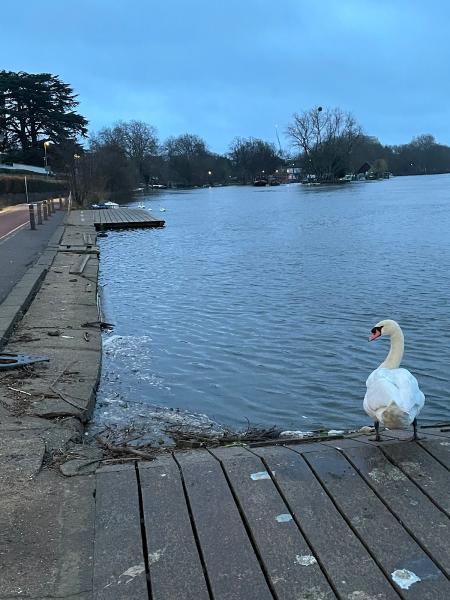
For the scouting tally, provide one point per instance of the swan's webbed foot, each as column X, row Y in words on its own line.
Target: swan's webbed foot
column 377, row 437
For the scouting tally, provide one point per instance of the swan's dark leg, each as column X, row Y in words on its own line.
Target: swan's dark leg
column 377, row 437
column 415, row 436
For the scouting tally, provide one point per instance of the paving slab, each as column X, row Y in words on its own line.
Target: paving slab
column 46, row 535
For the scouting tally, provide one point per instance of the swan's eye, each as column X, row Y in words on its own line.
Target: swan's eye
column 377, row 330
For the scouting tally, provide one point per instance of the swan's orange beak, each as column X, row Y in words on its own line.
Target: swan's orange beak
column 374, row 335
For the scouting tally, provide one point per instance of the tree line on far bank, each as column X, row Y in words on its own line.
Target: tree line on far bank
column 39, row 124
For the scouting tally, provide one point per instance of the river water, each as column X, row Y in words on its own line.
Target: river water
column 257, row 303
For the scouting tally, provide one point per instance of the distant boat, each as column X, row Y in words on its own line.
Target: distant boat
column 260, row 182
column 162, row 209
column 348, row 177
column 102, row 205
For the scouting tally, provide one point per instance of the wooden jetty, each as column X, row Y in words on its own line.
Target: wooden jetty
column 345, row 518
column 114, row 218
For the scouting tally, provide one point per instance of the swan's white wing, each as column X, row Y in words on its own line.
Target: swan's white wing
column 396, row 389
column 380, row 394
column 411, row 398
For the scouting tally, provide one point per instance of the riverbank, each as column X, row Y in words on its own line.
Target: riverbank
column 235, row 523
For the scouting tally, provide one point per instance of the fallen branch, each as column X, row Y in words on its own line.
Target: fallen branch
column 20, row 391
column 63, row 397
column 123, row 449
column 70, row 363
column 185, row 437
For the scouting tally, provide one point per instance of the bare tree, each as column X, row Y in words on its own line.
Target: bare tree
column 253, row 157
column 139, row 142
column 325, row 138
column 188, row 159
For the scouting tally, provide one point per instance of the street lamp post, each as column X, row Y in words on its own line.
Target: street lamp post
column 76, row 158
column 46, row 143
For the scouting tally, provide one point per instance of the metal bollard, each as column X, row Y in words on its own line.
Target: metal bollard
column 39, row 212
column 32, row 219
column 60, row 203
column 52, row 203
column 45, row 209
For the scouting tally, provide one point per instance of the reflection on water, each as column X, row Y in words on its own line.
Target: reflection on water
column 257, row 302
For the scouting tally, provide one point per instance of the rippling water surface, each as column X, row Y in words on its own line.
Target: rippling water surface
column 257, row 302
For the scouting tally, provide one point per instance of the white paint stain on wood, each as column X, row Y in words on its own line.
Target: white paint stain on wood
column 133, row 572
column 284, row 518
column 260, row 475
column 386, row 473
column 404, row 578
column 305, row 560
column 361, row 595
column 153, row 557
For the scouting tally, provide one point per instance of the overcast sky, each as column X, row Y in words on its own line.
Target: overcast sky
column 226, row 68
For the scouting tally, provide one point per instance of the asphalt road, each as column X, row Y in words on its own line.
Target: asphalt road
column 12, row 219
column 19, row 246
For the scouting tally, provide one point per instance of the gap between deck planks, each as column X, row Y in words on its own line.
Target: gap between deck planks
column 318, row 521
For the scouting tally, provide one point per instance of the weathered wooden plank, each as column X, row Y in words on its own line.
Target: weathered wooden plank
column 115, row 215
column 440, row 449
column 345, row 443
column 137, row 215
column 232, row 566
column 174, row 562
column 398, row 434
column 128, row 215
column 302, row 448
column 289, row 562
column 119, row 567
column 350, row 568
column 429, row 525
column 443, row 432
column 125, row 216
column 98, row 216
column 388, row 542
column 406, row 435
column 426, row 472
column 108, row 215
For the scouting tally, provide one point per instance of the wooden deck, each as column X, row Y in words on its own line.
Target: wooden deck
column 117, row 218
column 347, row 519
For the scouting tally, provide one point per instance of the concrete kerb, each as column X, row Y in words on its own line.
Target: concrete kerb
column 16, row 303
column 21, row 296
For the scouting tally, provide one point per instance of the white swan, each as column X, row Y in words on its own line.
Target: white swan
column 393, row 397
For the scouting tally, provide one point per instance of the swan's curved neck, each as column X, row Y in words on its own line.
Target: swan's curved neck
column 394, row 358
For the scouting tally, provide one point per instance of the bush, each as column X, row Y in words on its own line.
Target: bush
column 15, row 184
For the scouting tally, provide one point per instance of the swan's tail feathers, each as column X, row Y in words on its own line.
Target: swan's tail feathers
column 393, row 417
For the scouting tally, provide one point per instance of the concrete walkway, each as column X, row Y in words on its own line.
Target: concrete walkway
column 46, row 520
